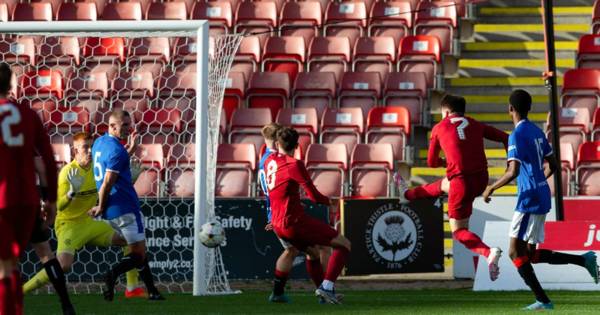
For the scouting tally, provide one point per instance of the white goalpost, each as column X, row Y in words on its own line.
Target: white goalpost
column 73, row 83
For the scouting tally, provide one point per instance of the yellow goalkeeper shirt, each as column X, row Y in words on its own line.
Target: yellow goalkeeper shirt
column 84, row 200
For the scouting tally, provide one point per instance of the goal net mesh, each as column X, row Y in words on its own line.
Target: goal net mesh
column 74, row 79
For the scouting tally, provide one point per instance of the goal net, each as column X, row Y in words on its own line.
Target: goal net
column 170, row 77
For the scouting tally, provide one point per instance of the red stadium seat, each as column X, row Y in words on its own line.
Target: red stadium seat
column 167, row 11
column 438, row 19
column 588, row 53
column 19, row 52
column 127, row 11
column 91, row 85
column 218, row 13
column 77, row 11
column 391, row 18
column 574, row 126
column 182, row 155
column 596, row 18
column 163, row 120
column 329, row 54
column 151, row 157
column 588, row 169
column 314, row 90
column 181, row 182
column 62, row 51
column 235, row 93
column 62, row 154
column 567, row 157
column 581, row 88
column 256, row 18
column 149, row 54
column 375, row 54
column 268, row 90
column 301, row 18
column 104, row 50
column 284, row 54
column 596, row 125
column 304, row 120
column 133, row 84
column 370, row 170
column 68, row 120
column 344, row 125
column 247, row 58
column 4, row 12
column 34, row 11
column 44, row 83
column 409, row 90
column 184, row 52
column 345, row 19
column 360, row 89
column 246, row 125
column 389, row 125
column 420, row 53
column 327, row 165
column 236, row 164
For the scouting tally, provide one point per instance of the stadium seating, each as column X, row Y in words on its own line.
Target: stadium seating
column 129, row 11
column 588, row 169
column 329, row 54
column 588, row 53
column 247, row 57
column 284, row 54
column 314, row 90
column 391, row 18
column 246, row 124
column 77, row 11
column 268, row 90
column 104, row 50
column 44, row 83
column 596, row 126
column 409, row 90
column 167, row 11
column 567, row 163
column 581, row 88
column 574, row 126
column 258, row 18
column 420, row 53
column 370, row 170
column 437, row 19
column 62, row 154
column 389, row 125
column 4, row 12
column 235, row 93
column 345, row 19
column 34, row 11
column 344, row 125
column 236, row 164
column 219, row 13
column 151, row 158
column 360, row 89
column 375, row 54
column 327, row 165
column 301, row 18
column 304, row 120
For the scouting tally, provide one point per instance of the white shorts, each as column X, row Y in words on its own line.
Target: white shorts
column 130, row 226
column 285, row 244
column 528, row 227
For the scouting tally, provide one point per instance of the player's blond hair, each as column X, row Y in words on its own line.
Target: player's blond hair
column 269, row 131
column 81, row 136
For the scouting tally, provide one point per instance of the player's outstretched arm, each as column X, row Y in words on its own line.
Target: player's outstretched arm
column 496, row 135
column 110, row 178
column 433, row 155
column 512, row 171
column 300, row 174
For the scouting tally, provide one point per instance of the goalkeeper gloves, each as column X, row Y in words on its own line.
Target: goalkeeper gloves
column 75, row 182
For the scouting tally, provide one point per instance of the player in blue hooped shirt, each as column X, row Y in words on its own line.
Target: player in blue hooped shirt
column 118, row 203
column 531, row 161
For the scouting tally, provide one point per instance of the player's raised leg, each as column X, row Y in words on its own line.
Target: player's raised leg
column 432, row 190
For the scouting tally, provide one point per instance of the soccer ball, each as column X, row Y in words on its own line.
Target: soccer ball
column 211, row 234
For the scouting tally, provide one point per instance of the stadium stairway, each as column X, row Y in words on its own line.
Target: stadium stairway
column 504, row 52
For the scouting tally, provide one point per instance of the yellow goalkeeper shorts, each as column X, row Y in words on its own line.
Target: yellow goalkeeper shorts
column 72, row 235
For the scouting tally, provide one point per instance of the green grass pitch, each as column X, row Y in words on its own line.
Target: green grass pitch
column 446, row 301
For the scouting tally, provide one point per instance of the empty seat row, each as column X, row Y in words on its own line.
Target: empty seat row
column 367, row 174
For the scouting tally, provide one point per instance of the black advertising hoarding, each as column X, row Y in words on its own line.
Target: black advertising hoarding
column 391, row 238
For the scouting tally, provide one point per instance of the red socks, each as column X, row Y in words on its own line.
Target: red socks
column 315, row 270
column 425, row 191
column 472, row 242
column 336, row 263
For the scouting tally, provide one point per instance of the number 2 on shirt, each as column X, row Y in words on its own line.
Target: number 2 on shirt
column 460, row 129
column 271, row 170
column 13, row 118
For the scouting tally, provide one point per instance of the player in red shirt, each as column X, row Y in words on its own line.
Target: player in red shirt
column 284, row 176
column 21, row 136
column 461, row 139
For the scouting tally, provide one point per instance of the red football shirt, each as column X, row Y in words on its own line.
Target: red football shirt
column 461, row 139
column 284, row 176
column 22, row 137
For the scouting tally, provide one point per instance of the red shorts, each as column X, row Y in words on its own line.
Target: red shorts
column 306, row 232
column 463, row 191
column 16, row 225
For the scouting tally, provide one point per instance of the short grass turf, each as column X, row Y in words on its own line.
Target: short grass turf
column 446, row 302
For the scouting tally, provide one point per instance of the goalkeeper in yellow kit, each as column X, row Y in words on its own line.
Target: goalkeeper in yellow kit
column 73, row 227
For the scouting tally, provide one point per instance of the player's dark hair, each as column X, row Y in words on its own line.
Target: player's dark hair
column 5, row 77
column 456, row 104
column 520, row 100
column 288, row 139
column 119, row 114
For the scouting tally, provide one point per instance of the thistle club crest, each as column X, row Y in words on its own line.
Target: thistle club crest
column 392, row 236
